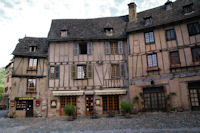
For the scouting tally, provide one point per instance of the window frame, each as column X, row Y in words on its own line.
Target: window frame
column 193, row 26
column 170, row 38
column 63, row 33
column 148, row 43
column 29, row 87
column 56, row 74
column 152, row 61
column 148, row 19
column 193, row 48
column 116, row 74
column 170, row 57
column 186, row 7
column 32, row 67
column 32, row 48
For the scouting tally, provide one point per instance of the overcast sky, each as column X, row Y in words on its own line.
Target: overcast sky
column 33, row 17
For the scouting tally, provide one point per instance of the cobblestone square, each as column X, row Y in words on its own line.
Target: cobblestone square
column 156, row 122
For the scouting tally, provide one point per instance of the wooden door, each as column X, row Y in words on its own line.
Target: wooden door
column 29, row 108
column 89, row 104
column 110, row 103
column 154, row 99
column 194, row 92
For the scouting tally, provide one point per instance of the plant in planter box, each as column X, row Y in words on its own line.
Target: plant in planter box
column 69, row 111
column 126, row 108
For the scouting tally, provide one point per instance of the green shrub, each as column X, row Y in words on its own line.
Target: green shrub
column 126, row 107
column 69, row 109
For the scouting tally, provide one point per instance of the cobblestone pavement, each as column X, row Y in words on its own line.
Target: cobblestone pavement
column 2, row 113
column 181, row 122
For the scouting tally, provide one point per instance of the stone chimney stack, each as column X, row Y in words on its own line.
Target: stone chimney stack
column 132, row 12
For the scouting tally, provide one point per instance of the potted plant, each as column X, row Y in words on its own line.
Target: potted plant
column 168, row 99
column 69, row 111
column 126, row 108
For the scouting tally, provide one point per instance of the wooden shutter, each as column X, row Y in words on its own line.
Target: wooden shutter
column 57, row 71
column 89, row 71
column 76, row 49
column 74, row 71
column 89, row 48
column 122, row 70
column 107, row 48
column 120, row 47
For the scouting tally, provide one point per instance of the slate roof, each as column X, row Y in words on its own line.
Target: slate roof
column 161, row 16
column 88, row 29
column 22, row 48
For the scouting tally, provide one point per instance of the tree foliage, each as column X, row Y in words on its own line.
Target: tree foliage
column 2, row 80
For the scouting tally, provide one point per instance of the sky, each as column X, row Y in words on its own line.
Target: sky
column 32, row 18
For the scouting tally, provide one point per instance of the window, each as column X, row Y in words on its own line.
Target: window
column 152, row 60
column 109, row 31
column 193, row 28
column 32, row 49
column 82, row 71
column 82, row 48
column 174, row 58
column 148, row 20
column 149, row 38
column 196, row 54
column 54, row 72
column 31, row 85
column 64, row 33
column 188, row 8
column 114, row 48
column 170, row 35
column 32, row 64
column 168, row 6
column 117, row 70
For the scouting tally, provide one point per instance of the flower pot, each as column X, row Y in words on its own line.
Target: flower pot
column 127, row 115
column 70, row 118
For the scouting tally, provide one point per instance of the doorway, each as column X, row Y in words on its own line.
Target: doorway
column 89, row 104
column 29, row 108
column 154, row 99
column 194, row 93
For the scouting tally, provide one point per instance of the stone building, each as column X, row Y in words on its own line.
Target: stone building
column 151, row 58
column 29, row 78
column 164, row 71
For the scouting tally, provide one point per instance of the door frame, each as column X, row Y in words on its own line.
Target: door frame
column 29, row 102
column 93, row 107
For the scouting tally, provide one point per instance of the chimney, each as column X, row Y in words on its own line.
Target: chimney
column 132, row 12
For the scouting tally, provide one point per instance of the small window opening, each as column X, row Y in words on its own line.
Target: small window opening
column 83, row 48
column 32, row 49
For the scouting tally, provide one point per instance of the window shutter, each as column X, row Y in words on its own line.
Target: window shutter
column 57, row 72
column 120, row 47
column 74, row 71
column 89, row 48
column 122, row 70
column 89, row 71
column 107, row 48
column 76, row 49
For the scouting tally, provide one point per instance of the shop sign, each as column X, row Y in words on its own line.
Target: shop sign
column 53, row 103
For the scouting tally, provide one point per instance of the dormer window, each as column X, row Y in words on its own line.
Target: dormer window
column 108, row 31
column 168, row 5
column 188, row 8
column 32, row 49
column 63, row 33
column 148, row 20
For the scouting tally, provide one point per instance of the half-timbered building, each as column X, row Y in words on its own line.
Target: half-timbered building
column 164, row 56
column 87, row 65
column 29, row 78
